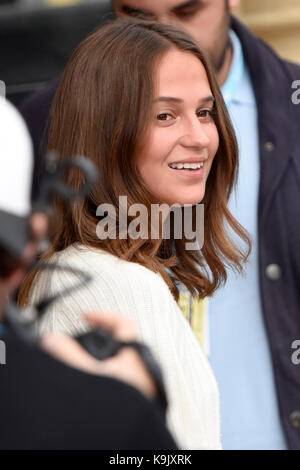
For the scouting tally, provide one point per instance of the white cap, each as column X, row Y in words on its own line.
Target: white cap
column 16, row 167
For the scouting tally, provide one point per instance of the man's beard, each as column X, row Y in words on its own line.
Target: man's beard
column 218, row 62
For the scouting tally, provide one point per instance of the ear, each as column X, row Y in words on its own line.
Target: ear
column 233, row 4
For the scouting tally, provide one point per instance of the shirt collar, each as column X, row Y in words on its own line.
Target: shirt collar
column 238, row 87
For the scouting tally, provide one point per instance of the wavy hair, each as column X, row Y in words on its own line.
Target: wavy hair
column 102, row 109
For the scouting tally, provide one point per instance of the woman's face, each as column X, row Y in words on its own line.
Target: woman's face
column 183, row 138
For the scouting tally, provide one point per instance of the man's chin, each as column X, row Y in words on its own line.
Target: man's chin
column 218, row 62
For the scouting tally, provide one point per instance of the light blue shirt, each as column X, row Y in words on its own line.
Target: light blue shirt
column 239, row 350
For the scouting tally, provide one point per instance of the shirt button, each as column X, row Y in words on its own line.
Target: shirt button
column 273, row 272
column 295, row 419
column 269, row 146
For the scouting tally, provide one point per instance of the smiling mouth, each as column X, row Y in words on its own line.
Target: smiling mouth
column 186, row 166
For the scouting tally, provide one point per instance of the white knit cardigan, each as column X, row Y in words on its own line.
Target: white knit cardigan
column 139, row 293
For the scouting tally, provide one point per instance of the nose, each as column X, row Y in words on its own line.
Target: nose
column 194, row 134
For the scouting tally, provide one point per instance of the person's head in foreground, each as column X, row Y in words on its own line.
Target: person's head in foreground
column 141, row 100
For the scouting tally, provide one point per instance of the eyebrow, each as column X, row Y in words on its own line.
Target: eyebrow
column 188, row 4
column 207, row 99
column 135, row 11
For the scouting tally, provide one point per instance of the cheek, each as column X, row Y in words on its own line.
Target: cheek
column 148, row 164
column 201, row 30
column 214, row 141
column 155, row 152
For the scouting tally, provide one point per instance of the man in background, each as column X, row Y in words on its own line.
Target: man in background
column 254, row 319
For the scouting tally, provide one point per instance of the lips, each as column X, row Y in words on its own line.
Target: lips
column 197, row 159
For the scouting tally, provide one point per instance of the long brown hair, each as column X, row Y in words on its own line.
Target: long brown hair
column 102, row 109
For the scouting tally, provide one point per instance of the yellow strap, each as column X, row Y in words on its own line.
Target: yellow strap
column 195, row 312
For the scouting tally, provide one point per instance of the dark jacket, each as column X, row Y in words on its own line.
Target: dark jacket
column 278, row 217
column 36, row 112
column 44, row 404
column 278, row 211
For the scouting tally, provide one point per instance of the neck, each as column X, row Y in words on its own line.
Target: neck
column 223, row 72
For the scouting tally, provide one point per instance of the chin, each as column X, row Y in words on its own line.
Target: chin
column 190, row 201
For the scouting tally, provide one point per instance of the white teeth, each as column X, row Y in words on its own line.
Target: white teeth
column 187, row 166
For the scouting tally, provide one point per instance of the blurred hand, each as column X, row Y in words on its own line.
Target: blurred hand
column 126, row 365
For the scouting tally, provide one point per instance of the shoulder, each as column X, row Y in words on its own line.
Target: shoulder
column 293, row 68
column 41, row 100
column 259, row 54
column 107, row 267
column 115, row 286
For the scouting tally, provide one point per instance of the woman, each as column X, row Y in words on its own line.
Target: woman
column 141, row 101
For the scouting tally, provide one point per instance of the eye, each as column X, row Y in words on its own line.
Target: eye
column 164, row 117
column 185, row 14
column 135, row 13
column 205, row 114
